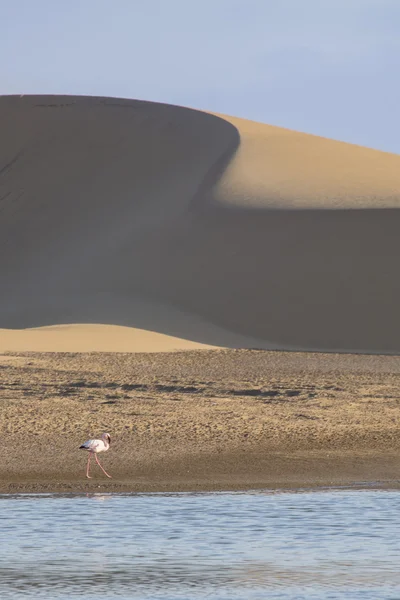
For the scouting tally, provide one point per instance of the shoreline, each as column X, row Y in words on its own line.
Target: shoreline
column 295, row 472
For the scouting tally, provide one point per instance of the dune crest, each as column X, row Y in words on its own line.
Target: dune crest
column 213, row 230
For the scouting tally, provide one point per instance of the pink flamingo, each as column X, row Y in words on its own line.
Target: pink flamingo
column 95, row 446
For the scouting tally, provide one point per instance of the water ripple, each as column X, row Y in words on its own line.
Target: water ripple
column 325, row 544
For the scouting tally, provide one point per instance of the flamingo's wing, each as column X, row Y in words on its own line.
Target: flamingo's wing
column 92, row 444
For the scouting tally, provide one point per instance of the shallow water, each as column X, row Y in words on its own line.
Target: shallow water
column 312, row 544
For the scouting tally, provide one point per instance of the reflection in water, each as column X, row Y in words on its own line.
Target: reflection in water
column 330, row 544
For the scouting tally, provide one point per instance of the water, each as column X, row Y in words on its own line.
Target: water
column 341, row 544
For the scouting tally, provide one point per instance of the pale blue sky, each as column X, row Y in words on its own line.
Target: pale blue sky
column 329, row 67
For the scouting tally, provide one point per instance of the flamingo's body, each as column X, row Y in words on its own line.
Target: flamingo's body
column 94, row 447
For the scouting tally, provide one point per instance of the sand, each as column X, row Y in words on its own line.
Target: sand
column 151, row 256
column 201, row 227
column 199, row 420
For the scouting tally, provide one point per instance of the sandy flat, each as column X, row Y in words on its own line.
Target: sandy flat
column 194, row 226
column 199, row 420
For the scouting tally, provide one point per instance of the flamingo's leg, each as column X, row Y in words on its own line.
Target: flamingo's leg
column 98, row 462
column 88, row 466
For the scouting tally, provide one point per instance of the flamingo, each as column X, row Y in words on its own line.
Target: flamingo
column 95, row 446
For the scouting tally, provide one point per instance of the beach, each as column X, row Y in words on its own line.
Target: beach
column 199, row 420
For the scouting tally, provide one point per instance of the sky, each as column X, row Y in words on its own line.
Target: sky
column 328, row 67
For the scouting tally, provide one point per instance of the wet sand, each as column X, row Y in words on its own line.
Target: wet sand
column 199, row 420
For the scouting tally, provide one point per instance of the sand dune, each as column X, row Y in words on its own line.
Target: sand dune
column 91, row 338
column 171, row 228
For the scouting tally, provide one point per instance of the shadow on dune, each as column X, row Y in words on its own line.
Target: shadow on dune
column 307, row 279
column 110, row 214
column 87, row 184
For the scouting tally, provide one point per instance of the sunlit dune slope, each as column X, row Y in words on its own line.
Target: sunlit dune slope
column 205, row 228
